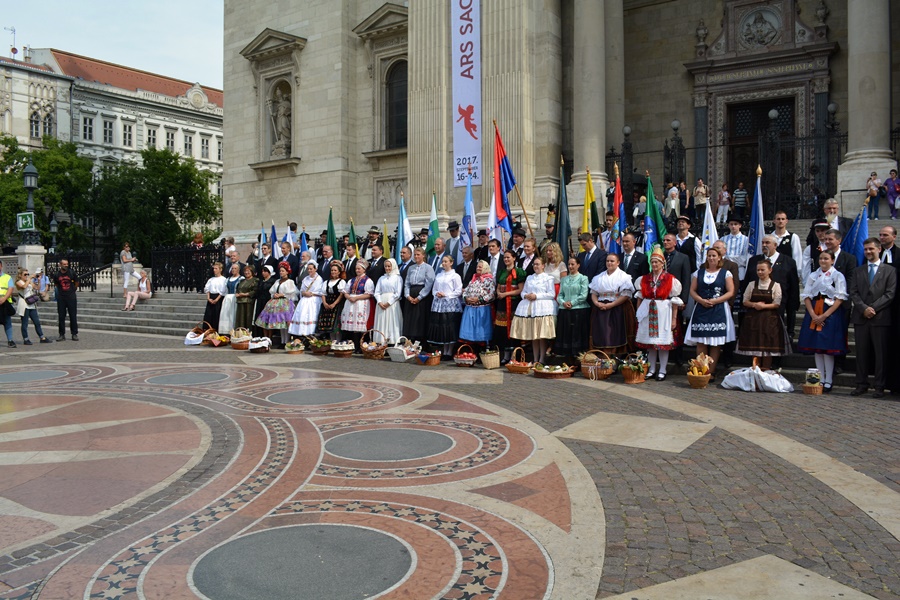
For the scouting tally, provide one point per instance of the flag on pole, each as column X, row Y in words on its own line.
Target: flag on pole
column 654, row 223
column 495, row 232
column 757, row 227
column 276, row 247
column 404, row 230
column 353, row 241
column 590, row 220
column 386, row 243
column 262, row 240
column 289, row 238
column 710, row 236
column 618, row 209
column 331, row 237
column 304, row 241
column 469, row 226
column 562, row 229
column 434, row 229
column 504, row 182
column 857, row 234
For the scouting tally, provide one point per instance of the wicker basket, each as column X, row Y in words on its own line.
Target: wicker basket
column 520, row 369
column 698, row 382
column 632, row 376
column 297, row 351
column 259, row 350
column 376, row 353
column 595, row 368
column 200, row 329
column 490, row 361
column 240, row 344
column 554, row 374
column 427, row 360
column 464, row 362
column 813, row 389
column 321, row 350
column 343, row 353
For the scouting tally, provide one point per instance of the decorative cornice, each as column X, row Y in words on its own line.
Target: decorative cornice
column 271, row 43
column 389, row 19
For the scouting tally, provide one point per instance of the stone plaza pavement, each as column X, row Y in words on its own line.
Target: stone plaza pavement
column 133, row 466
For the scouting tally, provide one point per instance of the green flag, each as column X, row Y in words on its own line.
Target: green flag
column 353, row 241
column 331, row 238
column 654, row 223
column 562, row 229
column 434, row 230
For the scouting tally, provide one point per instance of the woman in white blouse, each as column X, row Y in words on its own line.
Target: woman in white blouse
column 388, row 292
column 555, row 263
column 446, row 308
column 535, row 317
column 611, row 319
column 279, row 309
column 712, row 325
column 229, row 303
column 824, row 328
column 306, row 314
column 215, row 289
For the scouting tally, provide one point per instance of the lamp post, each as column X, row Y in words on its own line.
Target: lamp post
column 54, row 227
column 30, row 182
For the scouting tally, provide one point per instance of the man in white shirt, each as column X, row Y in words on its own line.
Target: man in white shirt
column 605, row 236
column 495, row 258
column 687, row 243
column 518, row 242
column 454, row 243
column 811, row 252
column 788, row 243
column 736, row 245
column 701, row 197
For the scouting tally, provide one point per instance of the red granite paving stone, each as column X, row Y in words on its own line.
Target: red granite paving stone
column 85, row 488
column 544, row 493
column 16, row 529
column 101, row 409
column 166, row 434
column 12, row 401
column 508, row 491
column 448, row 404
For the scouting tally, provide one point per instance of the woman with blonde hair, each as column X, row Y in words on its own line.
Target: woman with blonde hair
column 27, row 306
column 555, row 264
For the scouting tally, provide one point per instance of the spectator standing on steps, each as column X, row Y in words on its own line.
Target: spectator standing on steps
column 66, row 283
column 7, row 307
column 128, row 261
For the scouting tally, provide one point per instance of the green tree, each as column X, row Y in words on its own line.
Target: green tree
column 156, row 203
column 64, row 185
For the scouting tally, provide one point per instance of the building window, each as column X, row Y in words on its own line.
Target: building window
column 127, row 136
column 35, row 125
column 87, row 129
column 204, row 147
column 188, row 145
column 48, row 125
column 219, row 188
column 170, row 141
column 107, row 132
column 219, row 148
column 151, row 138
column 396, row 105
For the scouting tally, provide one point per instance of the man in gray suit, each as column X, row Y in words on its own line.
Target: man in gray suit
column 872, row 289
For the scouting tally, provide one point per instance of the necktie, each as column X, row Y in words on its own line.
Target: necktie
column 627, row 261
column 494, row 264
column 872, row 269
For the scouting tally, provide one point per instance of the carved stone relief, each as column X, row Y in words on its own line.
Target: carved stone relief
column 387, row 194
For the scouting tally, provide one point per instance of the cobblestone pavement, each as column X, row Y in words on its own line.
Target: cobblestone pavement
column 681, row 483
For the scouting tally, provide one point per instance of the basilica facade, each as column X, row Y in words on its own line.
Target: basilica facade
column 350, row 106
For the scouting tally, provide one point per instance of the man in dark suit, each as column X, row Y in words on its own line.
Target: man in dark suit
column 784, row 272
column 494, row 257
column 376, row 265
column 266, row 259
column 844, row 262
column 890, row 254
column 292, row 260
column 405, row 261
column 481, row 253
column 678, row 264
column 350, row 261
column 633, row 262
column 373, row 239
column 831, row 210
column 593, row 259
column 323, row 237
column 324, row 264
column 872, row 290
column 439, row 252
column 466, row 269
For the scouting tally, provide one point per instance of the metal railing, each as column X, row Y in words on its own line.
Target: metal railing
column 81, row 264
column 184, row 269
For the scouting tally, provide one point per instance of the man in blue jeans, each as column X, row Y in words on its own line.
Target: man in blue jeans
column 66, row 283
column 7, row 307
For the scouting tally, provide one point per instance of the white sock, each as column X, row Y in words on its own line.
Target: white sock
column 663, row 361
column 651, row 357
column 828, row 375
column 820, row 365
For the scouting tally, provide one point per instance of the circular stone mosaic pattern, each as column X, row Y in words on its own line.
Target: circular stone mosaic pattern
column 314, row 396
column 337, row 562
column 188, row 378
column 26, row 376
column 389, row 444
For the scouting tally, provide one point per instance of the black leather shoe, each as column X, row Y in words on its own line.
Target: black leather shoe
column 826, row 388
column 878, row 393
column 860, row 390
column 661, row 377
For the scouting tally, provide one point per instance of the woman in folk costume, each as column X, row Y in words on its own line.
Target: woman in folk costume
column 229, row 303
column 659, row 296
column 711, row 326
column 355, row 316
column 612, row 315
column 510, row 281
column 476, row 326
column 306, row 315
column 388, row 292
column 535, row 317
column 763, row 333
column 824, row 329
column 329, row 326
column 446, row 308
column 280, row 308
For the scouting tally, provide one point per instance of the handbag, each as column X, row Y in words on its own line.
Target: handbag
column 32, row 299
column 8, row 309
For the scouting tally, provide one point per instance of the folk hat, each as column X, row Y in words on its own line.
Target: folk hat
column 452, row 226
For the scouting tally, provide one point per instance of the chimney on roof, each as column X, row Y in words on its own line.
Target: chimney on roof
column 26, row 54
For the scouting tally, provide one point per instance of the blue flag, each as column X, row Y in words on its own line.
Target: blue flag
column 856, row 235
column 276, row 248
column 304, row 246
column 757, row 227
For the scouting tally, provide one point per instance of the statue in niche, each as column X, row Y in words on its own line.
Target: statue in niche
column 280, row 108
column 758, row 32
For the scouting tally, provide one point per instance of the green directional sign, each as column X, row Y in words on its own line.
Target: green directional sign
column 25, row 221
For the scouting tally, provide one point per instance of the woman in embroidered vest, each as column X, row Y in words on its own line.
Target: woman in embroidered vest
column 659, row 296
column 229, row 304
column 510, row 282
column 611, row 320
column 711, row 326
column 306, row 315
column 824, row 329
column 280, row 308
column 763, row 333
column 329, row 326
column 573, row 321
column 355, row 316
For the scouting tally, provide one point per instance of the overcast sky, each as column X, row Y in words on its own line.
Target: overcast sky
column 181, row 39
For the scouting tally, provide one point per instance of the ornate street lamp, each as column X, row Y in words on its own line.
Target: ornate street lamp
column 30, row 182
column 54, row 227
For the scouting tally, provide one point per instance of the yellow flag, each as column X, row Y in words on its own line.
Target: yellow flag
column 385, row 243
column 588, row 203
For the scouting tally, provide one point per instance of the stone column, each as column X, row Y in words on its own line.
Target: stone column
column 869, row 97
column 589, row 101
column 615, row 75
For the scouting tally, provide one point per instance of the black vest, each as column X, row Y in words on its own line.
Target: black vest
column 784, row 247
column 689, row 249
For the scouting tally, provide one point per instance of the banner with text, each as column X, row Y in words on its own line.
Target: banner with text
column 465, row 19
